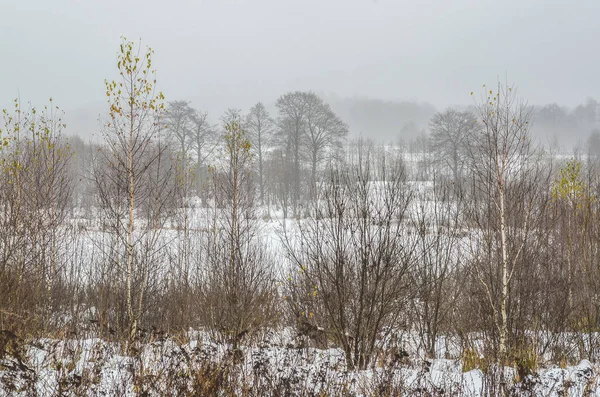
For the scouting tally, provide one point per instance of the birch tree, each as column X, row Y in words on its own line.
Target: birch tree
column 504, row 193
column 239, row 287
column 133, row 151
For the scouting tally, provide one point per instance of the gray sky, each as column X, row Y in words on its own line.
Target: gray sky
column 227, row 53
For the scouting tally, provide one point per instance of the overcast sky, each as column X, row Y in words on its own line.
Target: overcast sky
column 232, row 53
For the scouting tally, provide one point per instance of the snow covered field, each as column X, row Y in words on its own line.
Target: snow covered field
column 278, row 363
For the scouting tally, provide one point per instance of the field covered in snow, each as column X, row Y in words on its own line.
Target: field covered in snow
column 279, row 361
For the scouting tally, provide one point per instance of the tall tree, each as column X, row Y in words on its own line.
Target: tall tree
column 324, row 130
column 450, row 131
column 239, row 292
column 260, row 130
column 203, row 140
column 179, row 120
column 292, row 132
column 506, row 198
column 570, row 196
column 133, row 128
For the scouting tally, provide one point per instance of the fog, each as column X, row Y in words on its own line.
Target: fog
column 225, row 53
column 226, row 230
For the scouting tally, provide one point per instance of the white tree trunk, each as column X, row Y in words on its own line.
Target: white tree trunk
column 131, row 314
column 505, row 277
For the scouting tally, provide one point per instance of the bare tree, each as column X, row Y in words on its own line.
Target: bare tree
column 239, row 290
column 450, row 132
column 178, row 120
column 203, row 140
column 37, row 184
column 325, row 131
column 260, row 130
column 292, row 133
column 506, row 190
column 278, row 179
column 351, row 258
column 437, row 220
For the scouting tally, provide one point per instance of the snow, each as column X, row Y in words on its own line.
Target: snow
column 278, row 359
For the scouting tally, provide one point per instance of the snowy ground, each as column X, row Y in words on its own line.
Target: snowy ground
column 278, row 363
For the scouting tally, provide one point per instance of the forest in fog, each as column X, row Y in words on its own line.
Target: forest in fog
column 275, row 251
